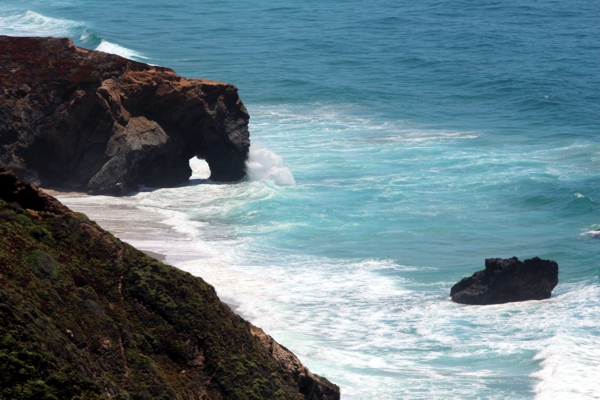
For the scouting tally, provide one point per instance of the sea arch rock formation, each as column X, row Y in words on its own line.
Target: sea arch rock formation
column 97, row 122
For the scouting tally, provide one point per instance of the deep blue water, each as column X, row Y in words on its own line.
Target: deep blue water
column 396, row 145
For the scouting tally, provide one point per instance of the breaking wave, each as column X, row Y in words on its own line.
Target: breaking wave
column 263, row 165
column 30, row 23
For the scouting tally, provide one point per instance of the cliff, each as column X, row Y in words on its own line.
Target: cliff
column 96, row 122
column 87, row 316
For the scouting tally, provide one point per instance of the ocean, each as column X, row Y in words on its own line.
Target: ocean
column 395, row 146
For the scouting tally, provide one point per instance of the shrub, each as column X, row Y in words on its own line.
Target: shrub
column 42, row 235
column 41, row 264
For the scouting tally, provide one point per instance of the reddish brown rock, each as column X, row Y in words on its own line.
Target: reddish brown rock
column 97, row 122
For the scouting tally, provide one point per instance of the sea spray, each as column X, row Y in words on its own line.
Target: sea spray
column 262, row 165
column 265, row 165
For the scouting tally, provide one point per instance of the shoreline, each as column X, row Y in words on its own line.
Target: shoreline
column 60, row 192
column 153, row 254
column 162, row 258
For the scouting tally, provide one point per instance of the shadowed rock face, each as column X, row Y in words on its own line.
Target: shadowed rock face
column 507, row 280
column 27, row 196
column 92, row 121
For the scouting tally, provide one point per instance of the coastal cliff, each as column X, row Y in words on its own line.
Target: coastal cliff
column 97, row 122
column 85, row 315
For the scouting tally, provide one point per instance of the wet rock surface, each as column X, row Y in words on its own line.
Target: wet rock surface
column 508, row 280
column 96, row 122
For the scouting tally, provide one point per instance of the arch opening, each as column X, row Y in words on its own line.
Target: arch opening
column 200, row 168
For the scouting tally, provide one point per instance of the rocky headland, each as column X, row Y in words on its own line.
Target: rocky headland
column 85, row 315
column 508, row 280
column 96, row 122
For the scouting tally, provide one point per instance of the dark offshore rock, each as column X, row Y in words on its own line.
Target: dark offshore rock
column 507, row 280
column 92, row 121
column 84, row 315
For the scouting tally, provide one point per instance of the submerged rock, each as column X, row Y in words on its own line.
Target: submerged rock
column 97, row 122
column 507, row 280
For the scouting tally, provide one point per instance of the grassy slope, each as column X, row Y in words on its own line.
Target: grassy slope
column 84, row 315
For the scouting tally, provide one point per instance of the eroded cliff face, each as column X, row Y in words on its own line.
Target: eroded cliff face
column 85, row 315
column 92, row 121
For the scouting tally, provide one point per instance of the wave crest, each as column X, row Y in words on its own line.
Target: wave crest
column 113, row 48
column 30, row 23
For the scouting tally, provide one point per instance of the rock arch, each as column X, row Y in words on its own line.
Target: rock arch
column 96, row 122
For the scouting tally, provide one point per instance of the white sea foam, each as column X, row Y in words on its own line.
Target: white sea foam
column 332, row 121
column 31, row 23
column 594, row 233
column 570, row 368
column 263, row 164
column 113, row 48
column 569, row 358
column 430, row 135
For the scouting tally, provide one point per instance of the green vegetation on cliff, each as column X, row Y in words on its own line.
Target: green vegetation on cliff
column 84, row 315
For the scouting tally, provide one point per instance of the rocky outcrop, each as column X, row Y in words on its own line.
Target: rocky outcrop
column 27, row 196
column 92, row 121
column 507, row 280
column 312, row 386
column 85, row 315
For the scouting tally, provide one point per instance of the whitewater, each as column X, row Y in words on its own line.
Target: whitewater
column 392, row 152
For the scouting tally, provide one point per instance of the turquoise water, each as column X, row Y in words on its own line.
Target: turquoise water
column 395, row 147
